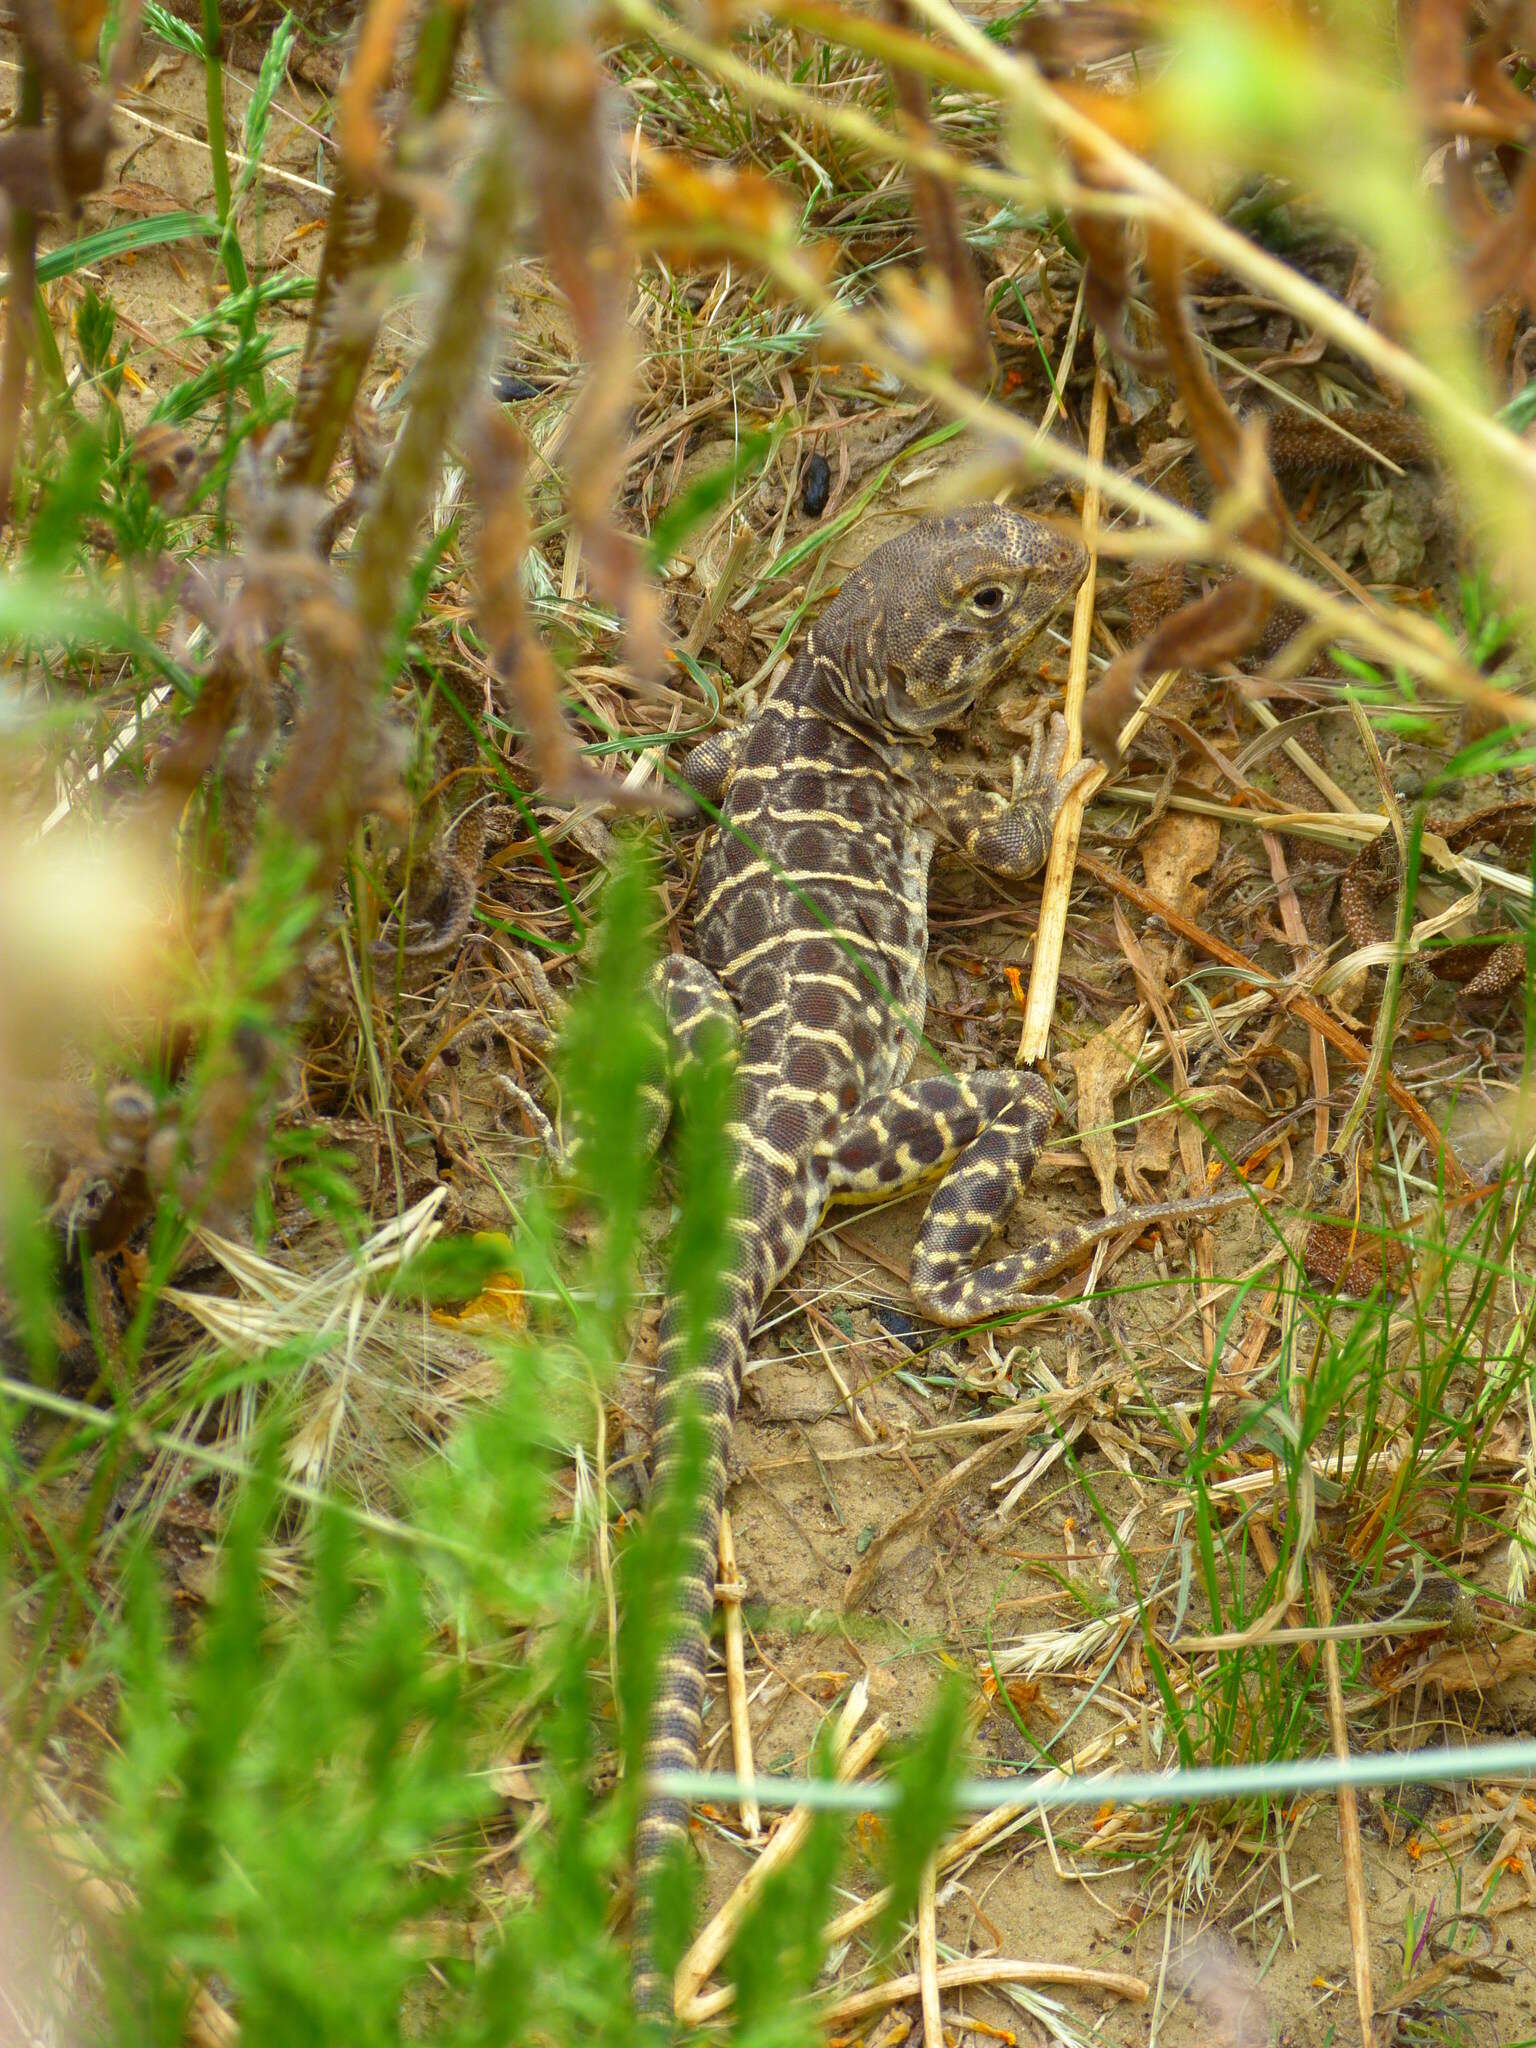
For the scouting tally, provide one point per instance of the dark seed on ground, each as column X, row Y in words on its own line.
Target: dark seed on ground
column 815, row 486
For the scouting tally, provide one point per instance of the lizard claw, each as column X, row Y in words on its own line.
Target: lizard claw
column 1040, row 780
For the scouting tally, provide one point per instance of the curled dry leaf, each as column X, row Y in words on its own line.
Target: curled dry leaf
column 1209, row 629
column 1101, row 1067
column 683, row 213
column 1107, row 268
column 1457, row 72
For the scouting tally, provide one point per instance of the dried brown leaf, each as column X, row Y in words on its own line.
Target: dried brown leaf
column 1102, row 1067
column 682, row 212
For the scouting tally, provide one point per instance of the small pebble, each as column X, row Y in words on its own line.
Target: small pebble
column 896, row 1323
column 815, row 486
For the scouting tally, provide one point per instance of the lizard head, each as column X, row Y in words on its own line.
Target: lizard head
column 933, row 618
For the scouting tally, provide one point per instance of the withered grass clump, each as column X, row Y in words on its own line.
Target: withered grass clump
column 415, row 425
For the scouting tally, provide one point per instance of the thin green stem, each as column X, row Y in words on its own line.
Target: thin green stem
column 213, row 77
column 231, row 255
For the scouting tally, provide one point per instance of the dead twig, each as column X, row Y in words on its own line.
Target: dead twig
column 1349, row 1814
column 851, row 1756
column 1056, row 889
column 987, row 1970
column 728, row 1598
column 928, row 1956
column 1299, row 1005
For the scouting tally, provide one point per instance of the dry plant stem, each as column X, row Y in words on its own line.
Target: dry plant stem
column 1347, row 829
column 1387, row 1008
column 1076, row 805
column 386, row 542
column 55, row 1841
column 1349, row 1814
column 526, row 679
column 1056, row 892
column 1299, row 1005
column 939, row 217
column 16, row 352
column 856, row 1414
column 568, row 123
column 1154, row 994
column 1295, row 752
column 1020, row 82
column 1063, row 371
column 1387, row 1011
column 985, row 1970
column 928, row 1956
column 728, row 1594
column 366, row 231
column 1229, row 617
column 1301, row 945
column 954, row 1481
column 708, row 1950
column 1389, row 804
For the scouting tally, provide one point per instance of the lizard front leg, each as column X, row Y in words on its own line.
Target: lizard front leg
column 1010, row 835
column 693, row 1003
column 708, row 767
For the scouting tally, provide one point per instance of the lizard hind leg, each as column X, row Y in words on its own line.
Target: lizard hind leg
column 979, row 1135
column 692, row 1004
column 899, row 1140
column 951, row 1280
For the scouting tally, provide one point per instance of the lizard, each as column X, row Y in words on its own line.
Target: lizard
column 810, row 931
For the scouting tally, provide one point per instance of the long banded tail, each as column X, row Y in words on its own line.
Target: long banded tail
column 775, row 1216
column 709, row 1389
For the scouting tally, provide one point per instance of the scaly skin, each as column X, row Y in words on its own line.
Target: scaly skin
column 811, row 931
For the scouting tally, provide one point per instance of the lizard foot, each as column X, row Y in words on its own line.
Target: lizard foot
column 1038, row 782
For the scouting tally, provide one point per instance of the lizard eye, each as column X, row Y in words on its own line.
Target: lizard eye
column 989, row 600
